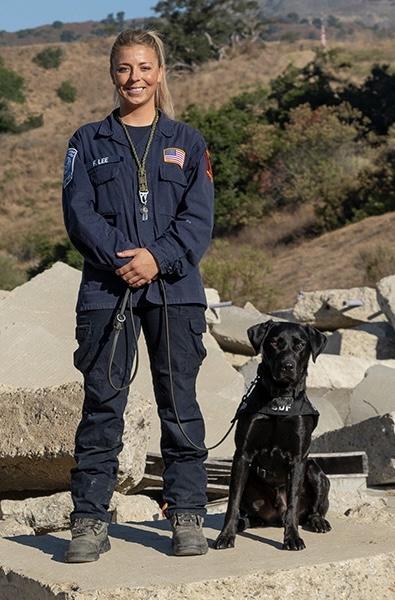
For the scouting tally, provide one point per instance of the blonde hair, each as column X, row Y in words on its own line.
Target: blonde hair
column 131, row 37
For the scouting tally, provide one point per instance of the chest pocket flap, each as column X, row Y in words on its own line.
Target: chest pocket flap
column 170, row 172
column 103, row 169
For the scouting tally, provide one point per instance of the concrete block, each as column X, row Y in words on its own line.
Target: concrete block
column 37, row 328
column 231, row 333
column 369, row 340
column 352, row 562
column 337, row 308
column 374, row 395
column 386, row 297
column 43, row 514
column 213, row 315
column 37, row 433
column 375, row 436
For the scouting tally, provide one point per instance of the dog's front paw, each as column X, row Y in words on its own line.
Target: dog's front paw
column 318, row 524
column 293, row 542
column 224, row 540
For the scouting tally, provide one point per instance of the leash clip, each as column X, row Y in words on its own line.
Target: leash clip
column 119, row 321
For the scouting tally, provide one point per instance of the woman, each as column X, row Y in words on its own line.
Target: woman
column 138, row 205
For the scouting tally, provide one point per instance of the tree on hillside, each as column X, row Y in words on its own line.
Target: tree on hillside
column 318, row 83
column 375, row 98
column 197, row 30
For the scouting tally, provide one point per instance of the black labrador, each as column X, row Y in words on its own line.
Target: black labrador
column 273, row 482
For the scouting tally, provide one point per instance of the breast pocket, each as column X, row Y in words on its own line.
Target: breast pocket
column 104, row 177
column 172, row 185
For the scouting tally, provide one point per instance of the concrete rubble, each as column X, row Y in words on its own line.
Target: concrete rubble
column 374, row 395
column 386, row 297
column 52, row 513
column 37, row 438
column 375, row 436
column 335, row 309
column 231, row 332
column 351, row 384
column 354, row 561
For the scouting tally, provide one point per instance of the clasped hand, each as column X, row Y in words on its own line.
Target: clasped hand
column 141, row 269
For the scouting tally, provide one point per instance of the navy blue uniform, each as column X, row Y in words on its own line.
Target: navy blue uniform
column 102, row 216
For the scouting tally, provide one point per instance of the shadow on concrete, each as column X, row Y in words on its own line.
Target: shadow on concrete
column 47, row 544
column 145, row 533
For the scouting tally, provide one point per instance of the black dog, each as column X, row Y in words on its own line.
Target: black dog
column 273, row 482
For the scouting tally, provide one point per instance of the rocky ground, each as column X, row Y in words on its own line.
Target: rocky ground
column 352, row 384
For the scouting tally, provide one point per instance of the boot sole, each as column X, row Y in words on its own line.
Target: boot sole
column 74, row 557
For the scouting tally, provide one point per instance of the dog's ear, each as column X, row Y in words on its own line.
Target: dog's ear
column 317, row 339
column 257, row 333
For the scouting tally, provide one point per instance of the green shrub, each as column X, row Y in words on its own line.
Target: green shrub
column 49, row 58
column 51, row 253
column 11, row 84
column 10, row 273
column 226, row 131
column 67, row 92
column 57, row 24
column 7, row 120
column 232, row 271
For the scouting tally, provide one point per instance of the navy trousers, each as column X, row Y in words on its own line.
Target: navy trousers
column 98, row 439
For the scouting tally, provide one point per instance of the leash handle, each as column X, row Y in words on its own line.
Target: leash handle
column 118, row 325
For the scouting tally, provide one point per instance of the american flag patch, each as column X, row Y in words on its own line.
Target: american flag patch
column 174, row 155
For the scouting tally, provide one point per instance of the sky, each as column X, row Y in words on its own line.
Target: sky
column 22, row 14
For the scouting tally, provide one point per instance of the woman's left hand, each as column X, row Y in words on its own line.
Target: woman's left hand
column 141, row 269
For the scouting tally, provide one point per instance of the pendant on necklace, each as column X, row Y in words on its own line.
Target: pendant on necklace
column 143, row 208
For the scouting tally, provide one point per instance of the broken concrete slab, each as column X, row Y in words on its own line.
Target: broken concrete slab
column 219, row 389
column 369, row 340
column 237, row 360
column 334, row 565
column 329, row 417
column 43, row 514
column 374, row 395
column 336, row 372
column 37, row 327
column 11, row 527
column 213, row 315
column 386, row 297
column 231, row 332
column 337, row 308
column 37, row 433
column 375, row 436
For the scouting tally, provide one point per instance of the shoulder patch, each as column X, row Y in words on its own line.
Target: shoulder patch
column 69, row 166
column 209, row 169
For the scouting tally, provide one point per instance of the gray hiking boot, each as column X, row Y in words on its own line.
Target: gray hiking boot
column 89, row 540
column 188, row 538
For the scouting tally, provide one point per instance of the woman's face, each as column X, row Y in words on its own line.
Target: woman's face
column 136, row 74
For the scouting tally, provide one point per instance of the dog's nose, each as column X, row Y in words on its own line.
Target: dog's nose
column 288, row 366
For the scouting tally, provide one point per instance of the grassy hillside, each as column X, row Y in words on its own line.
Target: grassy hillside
column 368, row 11
column 32, row 162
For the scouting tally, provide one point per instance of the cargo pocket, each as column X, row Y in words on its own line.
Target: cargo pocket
column 82, row 356
column 105, row 180
column 197, row 328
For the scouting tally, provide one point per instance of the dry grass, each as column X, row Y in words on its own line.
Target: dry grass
column 32, row 162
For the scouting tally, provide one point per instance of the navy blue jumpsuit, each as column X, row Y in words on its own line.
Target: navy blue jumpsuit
column 102, row 216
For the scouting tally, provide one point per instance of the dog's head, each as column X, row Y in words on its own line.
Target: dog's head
column 286, row 348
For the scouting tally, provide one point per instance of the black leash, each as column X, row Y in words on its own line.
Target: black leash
column 118, row 327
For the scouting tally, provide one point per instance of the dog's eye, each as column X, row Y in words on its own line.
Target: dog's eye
column 299, row 345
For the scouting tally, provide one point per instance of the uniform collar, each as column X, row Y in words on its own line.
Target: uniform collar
column 110, row 127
